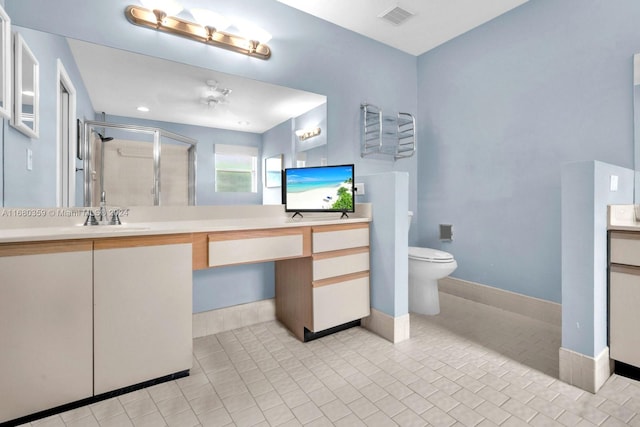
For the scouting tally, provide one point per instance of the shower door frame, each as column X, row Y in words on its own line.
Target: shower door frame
column 157, row 133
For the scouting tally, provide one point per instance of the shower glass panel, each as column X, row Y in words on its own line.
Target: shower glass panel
column 137, row 166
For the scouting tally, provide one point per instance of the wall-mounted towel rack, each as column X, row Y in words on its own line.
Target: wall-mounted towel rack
column 392, row 136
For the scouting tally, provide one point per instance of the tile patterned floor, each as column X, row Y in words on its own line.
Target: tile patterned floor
column 472, row 365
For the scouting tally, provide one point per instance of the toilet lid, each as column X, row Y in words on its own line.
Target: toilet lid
column 428, row 254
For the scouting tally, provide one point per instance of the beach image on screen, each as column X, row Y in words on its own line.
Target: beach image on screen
column 322, row 188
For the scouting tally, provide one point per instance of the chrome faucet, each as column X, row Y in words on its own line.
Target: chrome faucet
column 102, row 218
column 115, row 217
column 102, row 213
column 91, row 218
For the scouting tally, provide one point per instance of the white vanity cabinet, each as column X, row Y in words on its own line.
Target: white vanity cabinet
column 329, row 288
column 624, row 297
column 143, row 305
column 340, row 275
column 46, row 323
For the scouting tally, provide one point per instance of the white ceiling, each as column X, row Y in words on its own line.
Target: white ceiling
column 434, row 21
column 173, row 91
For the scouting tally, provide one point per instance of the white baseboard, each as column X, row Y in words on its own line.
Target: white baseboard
column 394, row 329
column 585, row 372
column 237, row 316
column 545, row 311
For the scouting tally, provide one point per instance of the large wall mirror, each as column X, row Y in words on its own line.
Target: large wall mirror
column 202, row 104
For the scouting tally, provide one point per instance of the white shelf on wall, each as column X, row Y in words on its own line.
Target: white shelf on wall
column 388, row 136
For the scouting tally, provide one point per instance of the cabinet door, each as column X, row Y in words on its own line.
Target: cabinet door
column 143, row 309
column 624, row 315
column 340, row 300
column 45, row 326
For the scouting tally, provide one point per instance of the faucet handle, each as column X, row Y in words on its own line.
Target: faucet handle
column 91, row 218
column 115, row 217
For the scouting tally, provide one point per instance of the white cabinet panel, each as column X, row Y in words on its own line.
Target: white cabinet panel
column 143, row 306
column 624, row 317
column 340, row 303
column 45, row 329
column 254, row 249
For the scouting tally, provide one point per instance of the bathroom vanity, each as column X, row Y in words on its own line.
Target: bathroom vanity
column 90, row 312
column 81, row 318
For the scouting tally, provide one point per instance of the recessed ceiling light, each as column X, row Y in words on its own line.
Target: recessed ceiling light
column 143, row 109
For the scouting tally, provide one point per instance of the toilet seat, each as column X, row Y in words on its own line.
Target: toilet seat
column 429, row 255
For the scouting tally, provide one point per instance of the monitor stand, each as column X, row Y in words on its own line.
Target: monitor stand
column 296, row 214
column 344, row 215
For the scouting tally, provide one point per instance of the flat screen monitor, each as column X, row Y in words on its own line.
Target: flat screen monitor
column 319, row 189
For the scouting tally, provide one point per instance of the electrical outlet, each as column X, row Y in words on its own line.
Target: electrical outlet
column 359, row 188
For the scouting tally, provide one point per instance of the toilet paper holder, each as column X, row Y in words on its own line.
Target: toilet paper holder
column 446, row 232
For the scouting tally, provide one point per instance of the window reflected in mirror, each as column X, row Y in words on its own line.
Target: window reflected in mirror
column 26, row 90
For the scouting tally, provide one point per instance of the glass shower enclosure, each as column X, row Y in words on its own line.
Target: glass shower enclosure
column 137, row 166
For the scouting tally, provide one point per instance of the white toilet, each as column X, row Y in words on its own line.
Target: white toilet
column 426, row 266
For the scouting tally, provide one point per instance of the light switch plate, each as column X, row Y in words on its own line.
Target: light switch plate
column 359, row 186
column 29, row 159
column 613, row 184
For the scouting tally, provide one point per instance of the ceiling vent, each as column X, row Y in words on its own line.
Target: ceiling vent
column 396, row 15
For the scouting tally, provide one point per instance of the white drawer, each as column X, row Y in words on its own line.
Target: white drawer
column 624, row 317
column 339, row 265
column 335, row 238
column 625, row 248
column 340, row 303
column 247, row 247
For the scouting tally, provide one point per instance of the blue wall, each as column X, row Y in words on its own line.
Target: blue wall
column 388, row 195
column 501, row 108
column 585, row 196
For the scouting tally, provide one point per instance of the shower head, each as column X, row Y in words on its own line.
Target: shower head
column 104, row 138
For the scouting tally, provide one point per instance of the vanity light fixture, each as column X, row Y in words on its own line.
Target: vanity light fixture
column 211, row 21
column 162, row 8
column 208, row 31
column 304, row 134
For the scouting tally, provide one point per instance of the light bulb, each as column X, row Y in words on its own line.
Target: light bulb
column 208, row 18
column 253, row 32
column 170, row 7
